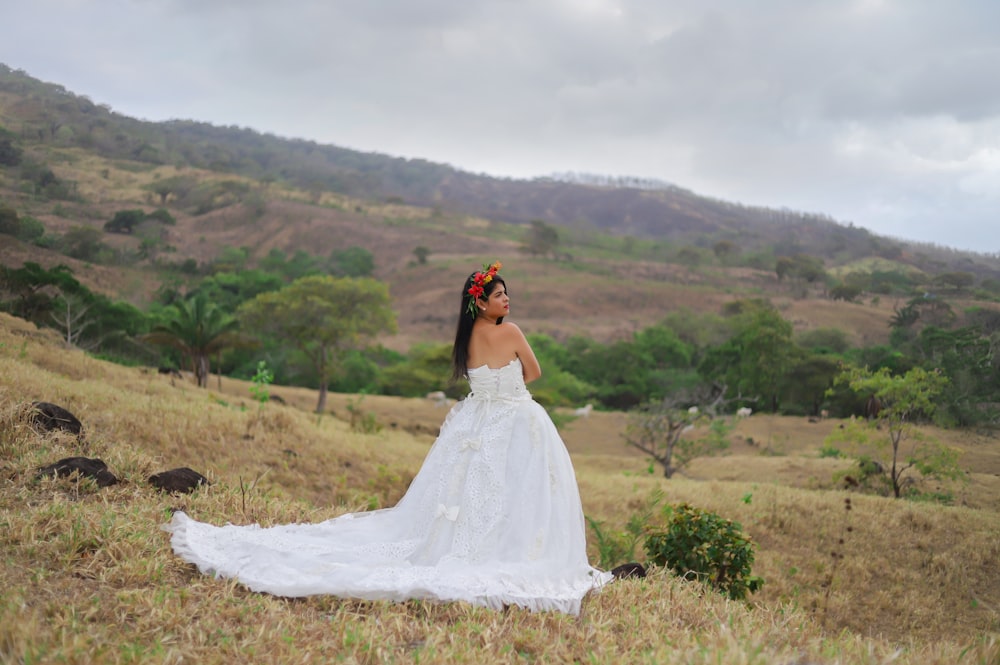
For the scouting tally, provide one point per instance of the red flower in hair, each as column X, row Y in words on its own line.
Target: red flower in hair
column 479, row 280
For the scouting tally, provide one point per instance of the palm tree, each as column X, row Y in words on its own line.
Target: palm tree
column 198, row 330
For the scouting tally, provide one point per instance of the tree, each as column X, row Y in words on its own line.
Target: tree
column 30, row 291
column 421, row 253
column 9, row 223
column 10, row 154
column 783, row 267
column 904, row 317
column 756, row 358
column 809, row 376
column 231, row 259
column 323, row 317
column 926, row 309
column 229, row 290
column 966, row 356
column 352, row 262
column 690, row 256
column 845, row 292
column 163, row 216
column 199, row 329
column 83, row 242
column 30, row 230
column 426, row 368
column 959, row 281
column 724, row 249
column 801, row 266
column 71, row 321
column 824, row 340
column 903, row 399
column 657, row 428
column 542, row 239
column 125, row 221
column 179, row 186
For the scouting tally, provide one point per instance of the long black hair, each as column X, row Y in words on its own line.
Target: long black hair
column 463, row 331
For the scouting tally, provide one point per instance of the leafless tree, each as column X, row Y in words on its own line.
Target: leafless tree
column 657, row 428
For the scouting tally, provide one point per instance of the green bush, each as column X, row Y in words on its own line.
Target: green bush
column 163, row 216
column 31, row 230
column 828, row 451
column 10, row 224
column 125, row 221
column 701, row 545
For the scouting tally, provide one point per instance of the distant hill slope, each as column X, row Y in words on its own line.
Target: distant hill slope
column 46, row 113
column 262, row 192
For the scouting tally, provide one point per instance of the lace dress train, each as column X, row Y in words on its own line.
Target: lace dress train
column 492, row 518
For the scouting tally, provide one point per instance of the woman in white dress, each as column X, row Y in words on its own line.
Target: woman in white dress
column 492, row 518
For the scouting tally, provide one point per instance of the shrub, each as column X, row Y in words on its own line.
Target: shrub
column 828, row 451
column 10, row 224
column 31, row 230
column 163, row 216
column 701, row 545
column 125, row 221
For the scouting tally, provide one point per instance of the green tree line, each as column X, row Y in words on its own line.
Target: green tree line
column 748, row 351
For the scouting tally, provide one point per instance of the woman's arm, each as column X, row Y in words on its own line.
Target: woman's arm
column 529, row 363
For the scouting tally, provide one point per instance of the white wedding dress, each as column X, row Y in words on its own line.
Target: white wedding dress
column 492, row 518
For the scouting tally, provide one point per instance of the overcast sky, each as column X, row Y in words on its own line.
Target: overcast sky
column 884, row 113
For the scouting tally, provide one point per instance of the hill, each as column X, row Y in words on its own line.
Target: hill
column 638, row 250
column 89, row 577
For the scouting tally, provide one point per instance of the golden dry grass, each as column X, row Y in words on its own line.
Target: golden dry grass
column 88, row 576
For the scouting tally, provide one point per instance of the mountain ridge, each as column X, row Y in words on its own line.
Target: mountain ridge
column 621, row 206
column 638, row 252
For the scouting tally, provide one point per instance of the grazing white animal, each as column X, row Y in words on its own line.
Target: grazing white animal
column 744, row 412
column 693, row 410
column 584, row 411
column 438, row 397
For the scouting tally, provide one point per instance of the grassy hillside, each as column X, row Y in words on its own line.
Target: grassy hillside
column 609, row 289
column 614, row 293
column 44, row 115
column 626, row 256
column 88, row 577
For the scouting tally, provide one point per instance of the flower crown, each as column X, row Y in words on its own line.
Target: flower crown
column 480, row 279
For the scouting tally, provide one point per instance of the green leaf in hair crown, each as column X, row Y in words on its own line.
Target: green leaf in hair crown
column 479, row 281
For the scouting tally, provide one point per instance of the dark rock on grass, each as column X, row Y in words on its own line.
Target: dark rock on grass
column 627, row 570
column 49, row 417
column 180, row 480
column 84, row 467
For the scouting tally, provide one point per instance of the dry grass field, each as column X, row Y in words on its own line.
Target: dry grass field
column 89, row 577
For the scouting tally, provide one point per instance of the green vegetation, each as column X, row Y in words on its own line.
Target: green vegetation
column 700, row 545
column 323, row 317
column 894, row 403
column 199, row 330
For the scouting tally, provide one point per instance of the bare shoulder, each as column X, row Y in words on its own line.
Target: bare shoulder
column 511, row 328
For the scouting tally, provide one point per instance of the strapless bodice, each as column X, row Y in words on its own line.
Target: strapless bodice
column 506, row 383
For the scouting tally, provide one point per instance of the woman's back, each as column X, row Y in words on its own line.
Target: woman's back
column 490, row 346
column 497, row 345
